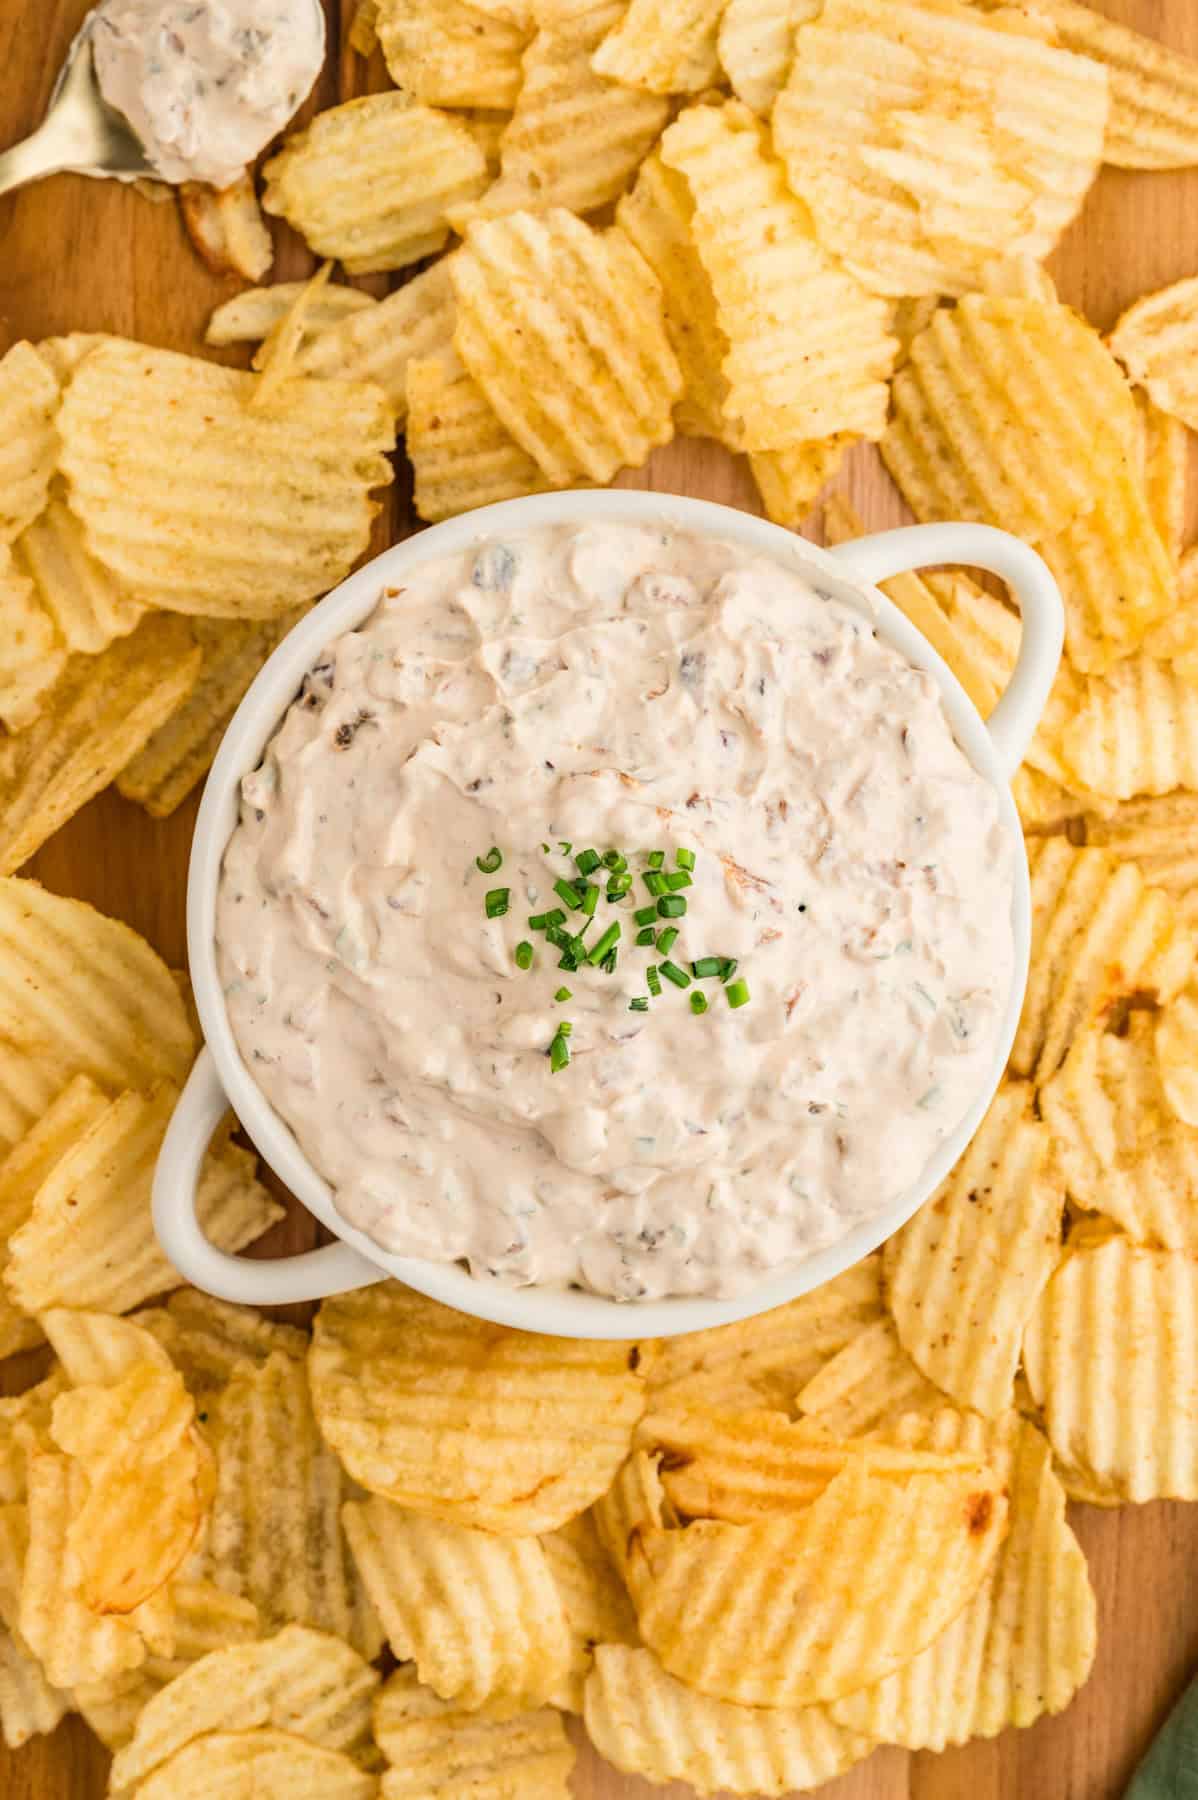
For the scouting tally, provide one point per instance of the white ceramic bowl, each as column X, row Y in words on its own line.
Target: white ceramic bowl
column 220, row 1077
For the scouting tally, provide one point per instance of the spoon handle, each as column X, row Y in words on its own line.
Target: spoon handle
column 35, row 156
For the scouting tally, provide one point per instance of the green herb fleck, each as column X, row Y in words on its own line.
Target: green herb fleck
column 698, row 1003
column 524, row 954
column 492, row 861
column 497, row 901
column 738, row 993
column 673, row 973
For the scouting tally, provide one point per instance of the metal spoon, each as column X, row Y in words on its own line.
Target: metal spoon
column 80, row 131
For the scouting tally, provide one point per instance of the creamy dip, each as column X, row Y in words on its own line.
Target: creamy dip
column 616, row 688
column 206, row 84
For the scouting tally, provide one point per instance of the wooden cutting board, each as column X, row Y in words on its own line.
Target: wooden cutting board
column 81, row 255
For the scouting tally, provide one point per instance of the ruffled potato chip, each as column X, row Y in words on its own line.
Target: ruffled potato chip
column 436, row 1748
column 449, row 53
column 241, row 1765
column 756, row 44
column 597, row 1608
column 462, row 457
column 867, row 1385
column 662, row 49
column 29, row 396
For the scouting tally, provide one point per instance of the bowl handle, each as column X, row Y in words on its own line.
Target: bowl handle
column 1013, row 722
column 332, row 1270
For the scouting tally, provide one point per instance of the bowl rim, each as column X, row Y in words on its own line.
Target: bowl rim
column 566, row 1312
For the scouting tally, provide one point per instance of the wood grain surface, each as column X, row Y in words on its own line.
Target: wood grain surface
column 85, row 255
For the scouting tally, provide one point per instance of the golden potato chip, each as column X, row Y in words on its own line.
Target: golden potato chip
column 180, row 752
column 1044, row 806
column 448, row 53
column 275, row 1533
column 461, row 456
column 87, row 606
column 300, row 1681
column 658, row 215
column 1111, row 1354
column 1098, row 560
column 206, row 1619
column 1175, row 638
column 32, row 654
column 89, row 1240
column 597, row 1608
column 98, row 715
column 562, row 327
column 517, row 1432
column 479, row 1615
column 249, row 1765
column 22, row 1172
column 963, row 1276
column 227, row 228
column 95, row 1349
column 148, row 1485
column 274, row 359
column 29, row 1706
column 1161, row 836
column 831, row 1598
column 753, row 1465
column 250, row 316
column 1176, row 1047
column 790, row 481
column 1022, row 1646
column 29, row 396
column 633, row 1505
column 867, row 1385
column 929, row 140
column 1156, row 340
column 1154, row 90
column 25, row 1421
column 756, row 44
column 647, row 1723
column 416, row 320
column 1117, row 1144
column 809, row 351
column 764, row 1361
column 363, row 30
column 1166, row 474
column 71, row 1642
column 436, row 1748
column 1099, row 935
column 574, row 139
column 79, row 994
column 373, row 182
column 208, row 1339
column 663, row 51
column 198, row 504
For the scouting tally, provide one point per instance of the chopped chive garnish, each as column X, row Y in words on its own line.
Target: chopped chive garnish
column 564, row 846
column 491, row 861
column 619, row 885
column 738, row 993
column 653, row 980
column 646, row 936
column 656, row 858
column 673, row 906
column 570, row 894
column 497, row 902
column 587, row 860
column 656, row 884
column 667, row 939
column 604, row 943
column 728, row 967
column 608, row 965
column 565, row 1028
column 590, row 899
column 645, row 915
column 559, row 1053
column 705, row 966
column 640, row 1004
column 678, row 879
column 561, row 940
column 567, row 961
column 614, row 861
column 563, row 993
column 673, row 973
column 545, row 849
column 546, row 921
column 524, row 954
column 686, row 860
column 698, row 1003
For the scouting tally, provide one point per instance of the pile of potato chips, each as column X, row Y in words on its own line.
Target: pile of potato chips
column 387, row 1554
